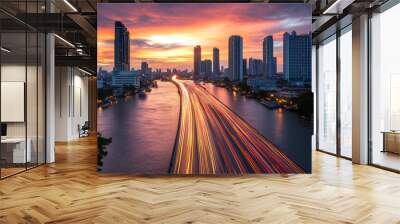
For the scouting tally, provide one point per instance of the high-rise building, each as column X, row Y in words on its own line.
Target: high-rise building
column 216, row 70
column 205, row 68
column 268, row 56
column 255, row 67
column 196, row 62
column 274, row 66
column 235, row 58
column 297, row 57
column 144, row 68
column 244, row 67
column 121, row 47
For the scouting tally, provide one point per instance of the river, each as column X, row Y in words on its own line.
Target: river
column 144, row 130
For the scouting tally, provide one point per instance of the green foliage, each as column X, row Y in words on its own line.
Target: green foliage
column 243, row 87
column 227, row 82
column 102, row 143
column 104, row 93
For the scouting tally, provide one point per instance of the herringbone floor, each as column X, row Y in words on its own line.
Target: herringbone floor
column 70, row 191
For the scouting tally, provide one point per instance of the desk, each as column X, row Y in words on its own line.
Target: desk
column 391, row 141
column 15, row 148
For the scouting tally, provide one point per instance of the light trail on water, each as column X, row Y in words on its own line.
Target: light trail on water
column 212, row 139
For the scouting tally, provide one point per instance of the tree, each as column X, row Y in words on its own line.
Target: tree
column 102, row 152
column 227, row 82
column 104, row 93
column 242, row 86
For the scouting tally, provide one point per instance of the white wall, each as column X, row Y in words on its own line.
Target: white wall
column 12, row 73
column 33, row 126
column 71, row 94
column 61, row 103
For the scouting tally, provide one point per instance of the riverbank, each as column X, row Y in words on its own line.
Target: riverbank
column 151, row 123
column 299, row 100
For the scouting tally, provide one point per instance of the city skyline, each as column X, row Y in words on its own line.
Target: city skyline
column 164, row 42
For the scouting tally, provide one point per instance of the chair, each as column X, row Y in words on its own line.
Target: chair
column 84, row 130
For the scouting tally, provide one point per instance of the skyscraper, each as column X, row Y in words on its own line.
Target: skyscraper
column 144, row 68
column 121, row 47
column 297, row 57
column 216, row 70
column 255, row 67
column 206, row 68
column 244, row 67
column 274, row 66
column 197, row 62
column 268, row 56
column 235, row 58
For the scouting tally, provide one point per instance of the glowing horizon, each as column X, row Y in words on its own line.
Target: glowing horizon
column 164, row 34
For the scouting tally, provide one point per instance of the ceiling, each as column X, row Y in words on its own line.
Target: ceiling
column 75, row 21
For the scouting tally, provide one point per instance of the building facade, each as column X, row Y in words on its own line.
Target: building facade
column 235, row 58
column 297, row 57
column 197, row 62
column 126, row 78
column 244, row 67
column 268, row 57
column 206, row 69
column 144, row 68
column 274, row 66
column 255, row 67
column 121, row 47
column 216, row 69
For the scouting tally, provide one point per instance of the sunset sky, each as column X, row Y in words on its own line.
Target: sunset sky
column 164, row 34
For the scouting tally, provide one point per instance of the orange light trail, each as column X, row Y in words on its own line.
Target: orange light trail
column 212, row 139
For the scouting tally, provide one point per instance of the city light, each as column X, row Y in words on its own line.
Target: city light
column 206, row 124
column 214, row 59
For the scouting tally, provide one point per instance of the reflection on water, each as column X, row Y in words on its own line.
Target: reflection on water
column 285, row 129
column 143, row 131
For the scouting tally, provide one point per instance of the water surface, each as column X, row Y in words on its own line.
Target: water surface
column 286, row 129
column 143, row 131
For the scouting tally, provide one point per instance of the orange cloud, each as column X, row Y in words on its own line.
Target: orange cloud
column 164, row 34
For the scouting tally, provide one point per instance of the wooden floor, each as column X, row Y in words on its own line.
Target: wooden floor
column 70, row 191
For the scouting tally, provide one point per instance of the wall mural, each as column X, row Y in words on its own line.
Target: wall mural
column 204, row 89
